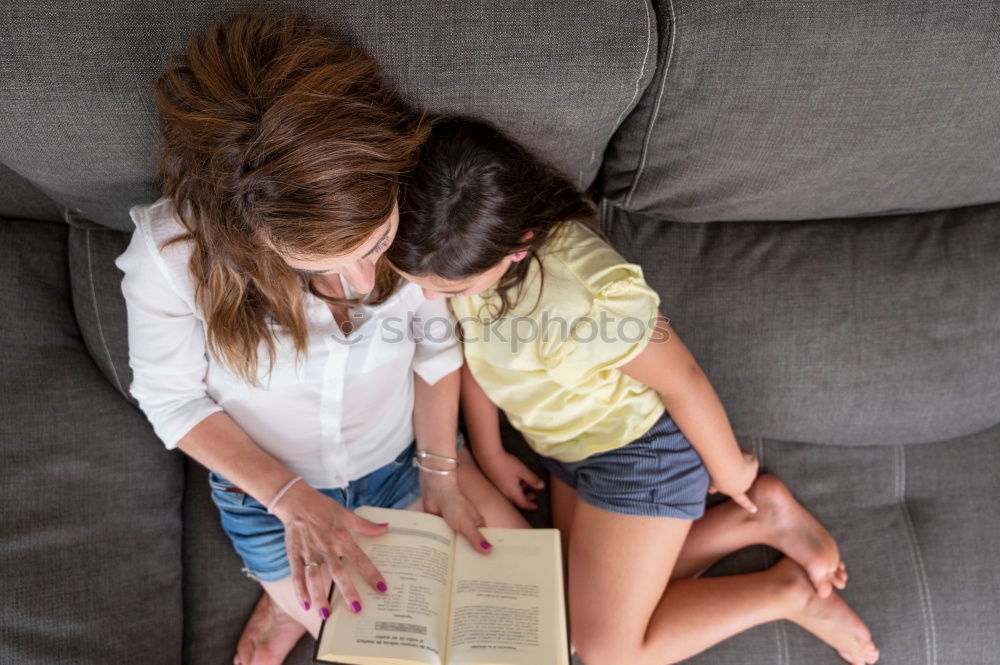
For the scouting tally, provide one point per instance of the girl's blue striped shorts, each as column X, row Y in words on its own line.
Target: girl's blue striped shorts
column 660, row 474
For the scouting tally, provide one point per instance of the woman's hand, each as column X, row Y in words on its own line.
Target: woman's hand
column 317, row 528
column 512, row 477
column 443, row 497
column 735, row 480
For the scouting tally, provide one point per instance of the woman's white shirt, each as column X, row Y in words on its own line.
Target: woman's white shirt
column 344, row 411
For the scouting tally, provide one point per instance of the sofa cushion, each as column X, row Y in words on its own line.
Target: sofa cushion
column 849, row 332
column 79, row 83
column 90, row 499
column 96, row 287
column 19, row 199
column 785, row 110
column 916, row 529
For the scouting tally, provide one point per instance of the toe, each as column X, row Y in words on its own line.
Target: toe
column 840, row 579
column 823, row 587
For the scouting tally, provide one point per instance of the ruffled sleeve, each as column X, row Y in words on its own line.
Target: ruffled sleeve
column 620, row 321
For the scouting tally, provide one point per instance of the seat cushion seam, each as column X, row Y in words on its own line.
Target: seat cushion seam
column 97, row 314
column 642, row 69
column 656, row 107
column 923, row 588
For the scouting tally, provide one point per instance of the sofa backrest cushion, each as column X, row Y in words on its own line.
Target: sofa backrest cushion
column 836, row 331
column 19, row 199
column 79, row 119
column 787, row 110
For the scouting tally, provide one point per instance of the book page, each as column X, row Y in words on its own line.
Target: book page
column 408, row 622
column 507, row 607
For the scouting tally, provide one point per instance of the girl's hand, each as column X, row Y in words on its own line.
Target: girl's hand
column 734, row 481
column 514, row 480
column 317, row 528
column 443, row 497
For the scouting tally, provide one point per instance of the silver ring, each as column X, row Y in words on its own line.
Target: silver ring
column 310, row 564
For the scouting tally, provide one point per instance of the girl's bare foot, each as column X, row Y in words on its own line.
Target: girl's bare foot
column 790, row 528
column 270, row 634
column 830, row 619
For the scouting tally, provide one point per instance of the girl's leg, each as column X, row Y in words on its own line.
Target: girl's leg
column 563, row 504
column 781, row 522
column 623, row 611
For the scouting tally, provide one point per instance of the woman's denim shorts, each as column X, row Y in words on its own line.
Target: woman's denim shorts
column 259, row 537
column 660, row 474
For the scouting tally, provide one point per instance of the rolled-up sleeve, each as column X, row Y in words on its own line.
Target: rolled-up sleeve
column 166, row 345
column 438, row 352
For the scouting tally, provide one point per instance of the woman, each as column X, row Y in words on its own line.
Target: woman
column 259, row 316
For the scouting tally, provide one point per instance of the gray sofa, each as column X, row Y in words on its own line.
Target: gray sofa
column 813, row 188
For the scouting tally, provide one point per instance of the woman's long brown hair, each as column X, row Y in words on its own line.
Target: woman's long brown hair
column 277, row 134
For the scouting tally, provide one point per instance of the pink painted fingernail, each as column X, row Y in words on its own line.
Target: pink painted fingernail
column 381, row 587
column 356, row 606
column 305, row 606
column 485, row 545
column 325, row 613
column 382, row 524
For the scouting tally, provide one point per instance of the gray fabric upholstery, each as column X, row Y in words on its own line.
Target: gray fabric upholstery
column 77, row 85
column 784, row 110
column 90, row 502
column 19, row 199
column 847, row 332
column 96, row 285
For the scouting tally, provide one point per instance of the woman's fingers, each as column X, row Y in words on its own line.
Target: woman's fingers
column 367, row 527
column 299, row 580
column 365, row 567
column 318, row 590
column 471, row 531
column 346, row 585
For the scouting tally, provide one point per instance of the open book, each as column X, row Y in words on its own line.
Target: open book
column 448, row 604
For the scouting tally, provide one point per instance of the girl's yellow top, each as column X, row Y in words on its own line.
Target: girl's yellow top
column 550, row 362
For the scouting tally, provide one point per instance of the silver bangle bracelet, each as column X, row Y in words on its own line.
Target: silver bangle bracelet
column 423, row 454
column 440, row 472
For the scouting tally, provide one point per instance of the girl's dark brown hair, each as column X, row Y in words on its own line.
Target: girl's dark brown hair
column 277, row 135
column 472, row 198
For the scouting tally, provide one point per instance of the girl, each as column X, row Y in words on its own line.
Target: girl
column 565, row 336
column 255, row 296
